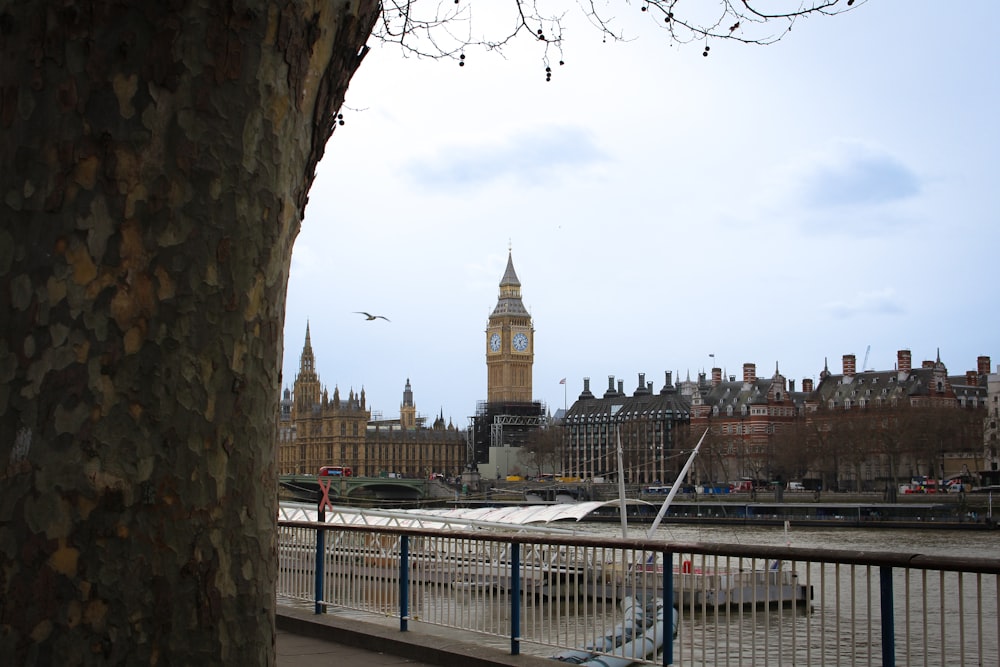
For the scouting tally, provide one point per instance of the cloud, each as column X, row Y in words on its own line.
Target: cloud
column 847, row 188
column 857, row 176
column 533, row 158
column 877, row 302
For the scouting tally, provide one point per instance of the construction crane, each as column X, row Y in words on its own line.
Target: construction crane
column 864, row 364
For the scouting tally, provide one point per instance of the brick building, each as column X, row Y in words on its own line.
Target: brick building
column 859, row 429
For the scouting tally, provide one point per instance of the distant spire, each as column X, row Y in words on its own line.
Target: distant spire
column 509, row 301
column 509, row 276
column 407, row 394
column 307, row 362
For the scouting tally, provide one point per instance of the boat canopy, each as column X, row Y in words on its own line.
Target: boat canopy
column 520, row 517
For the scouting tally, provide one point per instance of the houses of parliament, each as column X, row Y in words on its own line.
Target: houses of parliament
column 316, row 429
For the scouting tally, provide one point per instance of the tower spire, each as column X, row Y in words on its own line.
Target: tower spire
column 307, row 388
column 509, row 342
column 307, row 362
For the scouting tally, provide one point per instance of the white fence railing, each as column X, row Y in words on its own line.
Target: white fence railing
column 732, row 605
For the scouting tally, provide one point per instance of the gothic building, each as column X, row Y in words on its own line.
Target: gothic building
column 509, row 412
column 315, row 430
column 510, row 351
column 410, row 449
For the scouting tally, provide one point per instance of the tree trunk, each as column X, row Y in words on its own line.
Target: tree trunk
column 155, row 161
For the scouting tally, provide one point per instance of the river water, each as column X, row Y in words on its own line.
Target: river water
column 940, row 618
column 933, row 542
column 937, row 617
column 842, row 623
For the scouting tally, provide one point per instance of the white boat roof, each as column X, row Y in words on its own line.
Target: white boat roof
column 520, row 517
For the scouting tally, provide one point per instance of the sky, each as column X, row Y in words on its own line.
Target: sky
column 784, row 205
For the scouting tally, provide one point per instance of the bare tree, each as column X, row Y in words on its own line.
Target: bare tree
column 825, row 442
column 155, row 163
column 543, row 449
column 790, row 456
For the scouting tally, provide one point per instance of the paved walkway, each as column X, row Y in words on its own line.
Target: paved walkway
column 299, row 651
column 329, row 640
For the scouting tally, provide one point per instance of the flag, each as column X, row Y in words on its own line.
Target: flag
column 563, row 381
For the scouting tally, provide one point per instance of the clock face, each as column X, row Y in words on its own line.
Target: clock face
column 520, row 342
column 495, row 342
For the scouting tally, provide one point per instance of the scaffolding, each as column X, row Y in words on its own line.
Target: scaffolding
column 502, row 423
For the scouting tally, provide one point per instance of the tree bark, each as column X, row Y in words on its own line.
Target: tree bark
column 155, row 161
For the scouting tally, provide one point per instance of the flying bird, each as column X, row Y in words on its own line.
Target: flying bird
column 369, row 316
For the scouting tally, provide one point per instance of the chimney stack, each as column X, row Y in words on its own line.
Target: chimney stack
column 971, row 378
column 983, row 365
column 791, row 386
column 807, row 385
column 850, row 365
column 716, row 377
column 903, row 358
column 749, row 372
column 610, row 393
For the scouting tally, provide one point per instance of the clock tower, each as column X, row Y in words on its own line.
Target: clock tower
column 510, row 344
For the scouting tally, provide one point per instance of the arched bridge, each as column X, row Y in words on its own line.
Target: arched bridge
column 345, row 489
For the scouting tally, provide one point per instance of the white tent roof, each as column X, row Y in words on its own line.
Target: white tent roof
column 521, row 517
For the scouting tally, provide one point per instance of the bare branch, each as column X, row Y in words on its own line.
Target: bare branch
column 446, row 28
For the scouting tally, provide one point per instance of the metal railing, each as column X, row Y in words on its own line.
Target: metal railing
column 735, row 604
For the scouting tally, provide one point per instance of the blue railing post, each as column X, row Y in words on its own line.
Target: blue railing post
column 404, row 581
column 888, row 618
column 320, row 551
column 515, row 598
column 668, row 607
